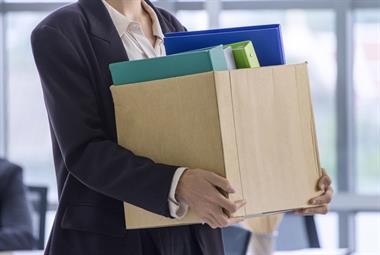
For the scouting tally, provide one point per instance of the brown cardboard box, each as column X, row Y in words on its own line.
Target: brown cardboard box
column 253, row 126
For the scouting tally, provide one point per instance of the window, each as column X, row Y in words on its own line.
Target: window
column 367, row 96
column 368, row 233
column 367, row 106
column 28, row 129
column 193, row 20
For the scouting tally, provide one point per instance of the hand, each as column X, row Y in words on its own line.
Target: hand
column 198, row 189
column 323, row 200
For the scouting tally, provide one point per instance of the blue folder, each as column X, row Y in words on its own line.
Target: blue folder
column 266, row 39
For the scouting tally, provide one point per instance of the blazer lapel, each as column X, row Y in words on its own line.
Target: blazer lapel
column 102, row 28
column 106, row 41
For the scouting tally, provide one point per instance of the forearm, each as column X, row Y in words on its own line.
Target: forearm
column 114, row 171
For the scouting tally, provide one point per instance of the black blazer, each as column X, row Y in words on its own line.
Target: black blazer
column 15, row 222
column 72, row 48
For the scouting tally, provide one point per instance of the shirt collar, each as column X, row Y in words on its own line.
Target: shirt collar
column 122, row 22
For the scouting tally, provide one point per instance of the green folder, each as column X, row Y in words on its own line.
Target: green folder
column 186, row 63
column 244, row 54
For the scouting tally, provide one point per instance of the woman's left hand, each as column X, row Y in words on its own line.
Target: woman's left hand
column 323, row 200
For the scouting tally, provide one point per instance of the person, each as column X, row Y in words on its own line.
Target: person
column 15, row 222
column 73, row 48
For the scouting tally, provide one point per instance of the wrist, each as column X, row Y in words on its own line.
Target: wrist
column 180, row 193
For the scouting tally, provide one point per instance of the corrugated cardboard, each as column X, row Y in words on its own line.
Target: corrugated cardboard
column 253, row 126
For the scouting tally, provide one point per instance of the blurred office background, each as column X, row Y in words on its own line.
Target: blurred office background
column 340, row 39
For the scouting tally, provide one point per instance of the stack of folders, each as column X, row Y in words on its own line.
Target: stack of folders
column 203, row 51
column 218, row 58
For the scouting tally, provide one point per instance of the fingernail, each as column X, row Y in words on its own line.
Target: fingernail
column 240, row 203
column 231, row 190
column 313, row 202
column 323, row 187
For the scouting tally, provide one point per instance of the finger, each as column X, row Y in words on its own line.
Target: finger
column 210, row 221
column 324, row 182
column 230, row 206
column 316, row 210
column 215, row 220
column 225, row 221
column 225, row 203
column 220, row 182
column 298, row 212
column 323, row 199
column 235, row 220
column 239, row 204
column 220, row 218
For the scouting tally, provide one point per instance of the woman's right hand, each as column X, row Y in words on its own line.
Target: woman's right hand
column 199, row 189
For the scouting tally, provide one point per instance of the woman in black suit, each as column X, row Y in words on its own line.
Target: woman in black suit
column 73, row 48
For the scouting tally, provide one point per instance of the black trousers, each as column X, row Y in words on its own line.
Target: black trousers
column 183, row 240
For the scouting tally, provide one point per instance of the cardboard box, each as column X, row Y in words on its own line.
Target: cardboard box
column 253, row 126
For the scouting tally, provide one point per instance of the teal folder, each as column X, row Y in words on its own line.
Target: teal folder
column 187, row 63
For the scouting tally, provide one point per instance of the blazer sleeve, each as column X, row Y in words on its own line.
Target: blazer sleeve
column 15, row 220
column 88, row 153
